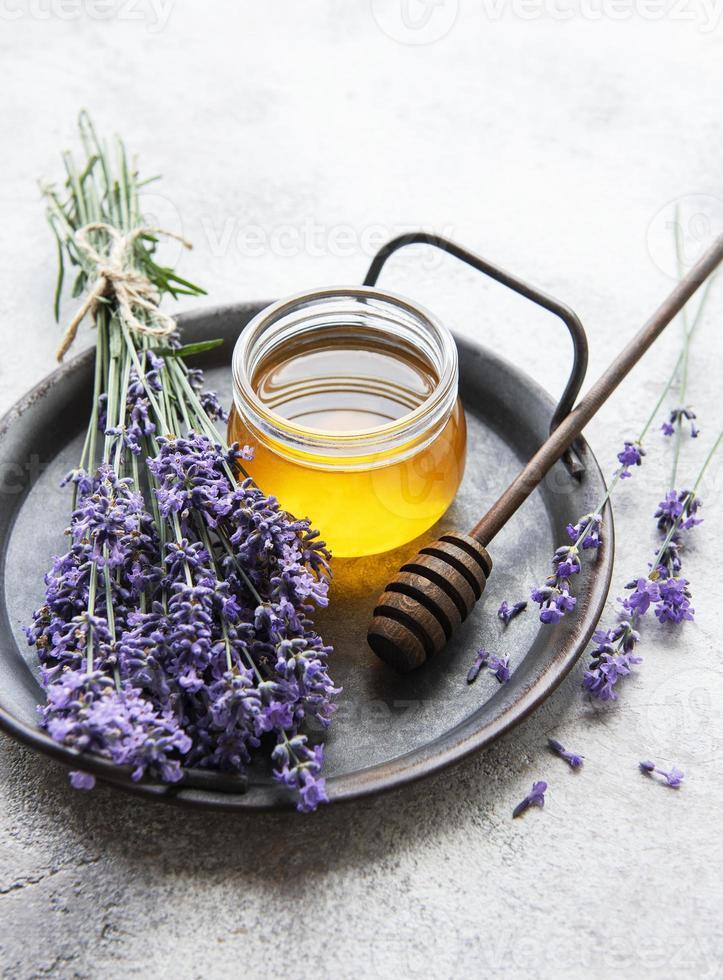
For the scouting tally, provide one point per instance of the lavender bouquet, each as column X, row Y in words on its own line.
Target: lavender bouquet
column 176, row 628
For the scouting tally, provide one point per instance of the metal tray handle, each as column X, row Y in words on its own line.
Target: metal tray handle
column 568, row 317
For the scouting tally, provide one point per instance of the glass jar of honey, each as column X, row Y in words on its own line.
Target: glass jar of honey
column 348, row 398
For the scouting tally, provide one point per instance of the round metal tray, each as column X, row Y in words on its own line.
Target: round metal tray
column 389, row 729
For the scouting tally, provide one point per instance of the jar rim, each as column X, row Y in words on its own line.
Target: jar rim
column 396, row 310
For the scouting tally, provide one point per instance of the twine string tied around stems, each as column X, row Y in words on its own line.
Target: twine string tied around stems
column 132, row 291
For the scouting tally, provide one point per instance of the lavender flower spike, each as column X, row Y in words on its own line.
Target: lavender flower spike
column 631, row 455
column 674, row 605
column 674, row 778
column 554, row 602
column 507, row 613
column 612, row 659
column 664, row 590
column 536, row 797
column 573, row 760
column 554, row 597
column 683, row 505
column 676, row 420
column 586, row 531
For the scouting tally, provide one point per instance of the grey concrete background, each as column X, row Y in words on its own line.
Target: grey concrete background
column 292, row 138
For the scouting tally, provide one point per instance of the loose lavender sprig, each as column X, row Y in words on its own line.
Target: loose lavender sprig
column 573, row 760
column 631, row 455
column 676, row 420
column 507, row 612
column 673, row 778
column 176, row 629
column 536, row 797
column 663, row 589
column 554, row 596
column 499, row 666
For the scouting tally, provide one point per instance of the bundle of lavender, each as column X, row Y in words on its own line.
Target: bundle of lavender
column 176, row 629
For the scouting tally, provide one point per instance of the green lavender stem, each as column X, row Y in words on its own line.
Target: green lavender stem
column 682, row 361
column 674, row 373
column 684, row 354
column 653, row 574
column 102, row 193
column 688, row 498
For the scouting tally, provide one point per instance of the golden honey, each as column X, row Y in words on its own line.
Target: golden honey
column 349, row 401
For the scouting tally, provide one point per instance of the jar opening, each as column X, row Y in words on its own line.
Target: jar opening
column 344, row 379
column 351, row 373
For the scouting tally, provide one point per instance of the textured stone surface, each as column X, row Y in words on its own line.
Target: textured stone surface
column 551, row 146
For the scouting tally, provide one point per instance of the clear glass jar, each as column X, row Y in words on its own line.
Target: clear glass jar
column 348, row 398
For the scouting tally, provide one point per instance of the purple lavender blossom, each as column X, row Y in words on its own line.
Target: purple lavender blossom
column 678, row 507
column 631, row 455
column 80, row 478
column 604, row 673
column 298, row 768
column 674, row 604
column 554, row 597
column 87, row 712
column 644, row 593
column 209, row 399
column 676, row 514
column 536, row 797
column 507, row 613
column 554, row 601
column 669, row 509
column 664, row 590
column 81, row 780
column 573, row 760
column 677, row 419
column 499, row 666
column 673, row 778
column 612, row 659
column 566, row 563
column 589, row 527
column 138, row 424
column 221, row 653
column 481, row 659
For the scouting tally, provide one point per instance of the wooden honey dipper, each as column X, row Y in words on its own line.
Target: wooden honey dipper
column 435, row 591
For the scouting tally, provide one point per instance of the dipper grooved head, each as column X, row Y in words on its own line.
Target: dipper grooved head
column 430, row 597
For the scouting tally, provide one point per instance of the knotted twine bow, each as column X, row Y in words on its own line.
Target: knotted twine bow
column 131, row 289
